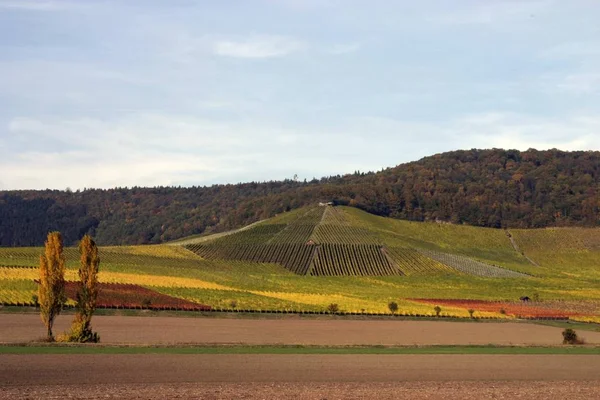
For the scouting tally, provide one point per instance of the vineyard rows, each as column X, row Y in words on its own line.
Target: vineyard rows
column 351, row 260
column 470, row 266
column 293, row 234
column 127, row 255
column 295, row 257
column 411, row 262
column 344, row 235
column 332, row 216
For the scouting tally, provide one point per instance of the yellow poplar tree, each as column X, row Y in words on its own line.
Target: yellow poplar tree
column 51, row 291
column 87, row 294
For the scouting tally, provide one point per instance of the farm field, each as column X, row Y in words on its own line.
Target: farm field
column 19, row 328
column 310, row 258
column 245, row 376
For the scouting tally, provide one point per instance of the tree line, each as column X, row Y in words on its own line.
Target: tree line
column 493, row 188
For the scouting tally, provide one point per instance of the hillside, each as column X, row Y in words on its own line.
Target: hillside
column 342, row 241
column 491, row 188
column 306, row 259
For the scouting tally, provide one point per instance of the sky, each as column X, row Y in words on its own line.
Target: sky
column 101, row 93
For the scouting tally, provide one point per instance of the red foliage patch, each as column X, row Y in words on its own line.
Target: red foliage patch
column 523, row 309
column 112, row 295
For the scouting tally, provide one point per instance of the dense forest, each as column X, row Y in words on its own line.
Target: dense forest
column 495, row 188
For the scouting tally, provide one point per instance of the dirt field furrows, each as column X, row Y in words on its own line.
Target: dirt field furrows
column 160, row 368
column 164, row 330
column 530, row 390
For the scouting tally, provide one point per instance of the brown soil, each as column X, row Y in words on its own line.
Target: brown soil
column 299, row 376
column 320, row 391
column 62, row 369
column 168, row 330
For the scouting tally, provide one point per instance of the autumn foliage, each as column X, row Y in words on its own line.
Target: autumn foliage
column 87, row 294
column 51, row 291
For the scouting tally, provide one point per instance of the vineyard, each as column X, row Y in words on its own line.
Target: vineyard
column 119, row 295
column 307, row 259
column 469, row 266
column 412, row 262
column 295, row 257
column 327, row 241
column 353, row 260
column 521, row 309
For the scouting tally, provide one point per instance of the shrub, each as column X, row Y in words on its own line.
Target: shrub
column 502, row 311
column 393, row 306
column 437, row 310
column 146, row 302
column 471, row 312
column 570, row 337
column 233, row 304
column 333, row 308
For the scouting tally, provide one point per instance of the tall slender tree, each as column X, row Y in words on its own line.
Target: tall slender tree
column 87, row 294
column 51, row 291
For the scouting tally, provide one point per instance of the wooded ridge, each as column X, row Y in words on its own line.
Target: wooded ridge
column 494, row 188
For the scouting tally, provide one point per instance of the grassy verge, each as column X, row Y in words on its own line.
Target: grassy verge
column 240, row 349
column 579, row 326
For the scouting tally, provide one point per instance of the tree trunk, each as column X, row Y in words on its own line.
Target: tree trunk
column 50, row 337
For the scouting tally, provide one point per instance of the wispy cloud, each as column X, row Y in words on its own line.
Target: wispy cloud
column 258, row 46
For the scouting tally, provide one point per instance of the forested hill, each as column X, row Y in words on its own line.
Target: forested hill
column 495, row 188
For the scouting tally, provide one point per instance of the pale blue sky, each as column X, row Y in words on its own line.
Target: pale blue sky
column 121, row 93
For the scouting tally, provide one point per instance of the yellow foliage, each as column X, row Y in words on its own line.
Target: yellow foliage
column 51, row 290
column 158, row 250
column 119, row 277
column 590, row 318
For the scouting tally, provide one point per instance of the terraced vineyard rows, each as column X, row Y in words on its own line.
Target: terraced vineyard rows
column 470, row 266
column 351, row 260
column 295, row 257
column 344, row 235
column 293, row 234
column 411, row 262
column 333, row 216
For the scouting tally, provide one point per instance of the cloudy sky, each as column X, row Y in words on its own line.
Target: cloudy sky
column 108, row 93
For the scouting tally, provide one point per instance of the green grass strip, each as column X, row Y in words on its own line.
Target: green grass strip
column 380, row 350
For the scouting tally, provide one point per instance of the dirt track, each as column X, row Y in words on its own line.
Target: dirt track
column 155, row 330
column 298, row 376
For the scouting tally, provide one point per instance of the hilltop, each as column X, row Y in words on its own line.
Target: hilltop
column 491, row 188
